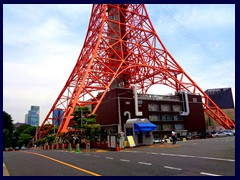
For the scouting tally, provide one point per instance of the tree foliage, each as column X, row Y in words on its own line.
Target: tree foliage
column 8, row 128
column 85, row 123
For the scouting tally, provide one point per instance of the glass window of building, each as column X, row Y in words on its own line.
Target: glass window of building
column 153, row 107
column 179, row 126
column 167, row 127
column 158, row 127
column 176, row 107
column 165, row 107
column 177, row 117
column 129, row 131
column 166, row 117
column 154, row 117
column 194, row 99
column 140, row 102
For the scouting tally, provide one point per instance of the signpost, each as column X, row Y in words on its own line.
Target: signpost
column 131, row 141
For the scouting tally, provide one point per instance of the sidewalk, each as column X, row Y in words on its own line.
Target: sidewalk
column 5, row 171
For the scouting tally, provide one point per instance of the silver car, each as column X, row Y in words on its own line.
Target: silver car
column 229, row 132
column 219, row 134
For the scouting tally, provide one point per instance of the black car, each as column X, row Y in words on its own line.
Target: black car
column 204, row 135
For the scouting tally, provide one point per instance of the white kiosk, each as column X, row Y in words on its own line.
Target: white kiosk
column 141, row 130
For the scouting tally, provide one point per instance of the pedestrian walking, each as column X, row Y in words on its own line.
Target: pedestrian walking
column 174, row 138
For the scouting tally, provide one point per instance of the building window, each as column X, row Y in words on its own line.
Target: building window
column 153, row 107
column 176, row 107
column 154, row 117
column 166, row 117
column 158, row 127
column 167, row 127
column 127, row 102
column 129, row 131
column 194, row 99
column 140, row 102
column 179, row 126
column 177, row 117
column 165, row 107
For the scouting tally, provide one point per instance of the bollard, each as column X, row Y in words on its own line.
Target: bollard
column 78, row 151
column 88, row 146
column 70, row 147
column 62, row 146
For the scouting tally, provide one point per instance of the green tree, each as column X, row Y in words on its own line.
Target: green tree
column 85, row 123
column 8, row 128
column 19, row 131
column 24, row 139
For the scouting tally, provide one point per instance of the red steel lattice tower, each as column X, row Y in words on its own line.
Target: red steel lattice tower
column 122, row 48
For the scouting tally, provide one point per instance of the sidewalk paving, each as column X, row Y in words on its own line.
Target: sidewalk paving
column 5, row 170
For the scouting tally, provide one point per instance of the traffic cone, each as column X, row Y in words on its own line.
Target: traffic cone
column 117, row 148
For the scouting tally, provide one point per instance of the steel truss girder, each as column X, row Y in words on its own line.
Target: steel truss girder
column 122, row 44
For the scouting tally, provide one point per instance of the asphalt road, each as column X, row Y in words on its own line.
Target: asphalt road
column 207, row 157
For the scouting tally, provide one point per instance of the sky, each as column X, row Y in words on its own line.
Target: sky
column 42, row 42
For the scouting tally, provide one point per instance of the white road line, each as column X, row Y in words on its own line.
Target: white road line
column 169, row 167
column 87, row 154
column 109, row 158
column 151, row 153
column 132, row 151
column 209, row 174
column 149, row 164
column 96, row 156
column 126, row 160
column 211, row 158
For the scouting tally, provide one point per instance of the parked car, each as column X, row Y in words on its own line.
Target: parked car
column 219, row 134
column 23, row 148
column 156, row 141
column 204, row 135
column 229, row 132
column 16, row 148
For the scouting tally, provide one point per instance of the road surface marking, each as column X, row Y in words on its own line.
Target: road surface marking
column 200, row 157
column 151, row 153
column 132, row 151
column 109, row 158
column 169, row 167
column 87, row 154
column 209, row 174
column 96, row 156
column 66, row 164
column 126, row 160
column 149, row 164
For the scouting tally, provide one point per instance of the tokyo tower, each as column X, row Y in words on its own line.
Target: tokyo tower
column 122, row 48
